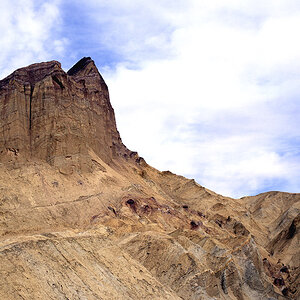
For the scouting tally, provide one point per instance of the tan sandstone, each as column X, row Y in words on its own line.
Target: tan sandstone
column 83, row 217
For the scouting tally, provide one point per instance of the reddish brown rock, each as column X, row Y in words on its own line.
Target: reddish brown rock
column 58, row 117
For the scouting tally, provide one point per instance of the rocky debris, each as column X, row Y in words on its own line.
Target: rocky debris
column 83, row 217
column 239, row 228
column 285, row 291
column 284, row 269
column 194, row 225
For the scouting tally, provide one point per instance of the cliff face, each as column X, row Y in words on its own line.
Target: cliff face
column 58, row 117
column 82, row 217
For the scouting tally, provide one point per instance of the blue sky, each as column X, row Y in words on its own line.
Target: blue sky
column 206, row 89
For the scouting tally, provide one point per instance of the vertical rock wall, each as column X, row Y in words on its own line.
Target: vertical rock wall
column 58, row 117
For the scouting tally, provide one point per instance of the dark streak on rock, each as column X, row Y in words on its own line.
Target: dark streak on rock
column 292, row 230
column 112, row 209
column 55, row 79
column 30, row 106
column 194, row 225
column 223, row 283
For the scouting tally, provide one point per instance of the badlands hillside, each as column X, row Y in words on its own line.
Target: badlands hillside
column 83, row 217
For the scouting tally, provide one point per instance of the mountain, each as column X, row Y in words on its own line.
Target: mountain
column 83, row 217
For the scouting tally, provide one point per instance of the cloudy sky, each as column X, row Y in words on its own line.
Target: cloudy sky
column 209, row 89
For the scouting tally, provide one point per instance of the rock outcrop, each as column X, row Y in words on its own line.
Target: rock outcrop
column 82, row 217
column 58, row 117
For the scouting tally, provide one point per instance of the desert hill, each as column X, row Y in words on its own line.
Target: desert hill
column 83, row 217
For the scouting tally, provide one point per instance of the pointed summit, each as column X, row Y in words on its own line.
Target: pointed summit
column 59, row 117
column 80, row 66
column 86, row 71
column 33, row 73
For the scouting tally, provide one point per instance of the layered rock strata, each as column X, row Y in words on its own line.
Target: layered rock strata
column 58, row 117
column 82, row 217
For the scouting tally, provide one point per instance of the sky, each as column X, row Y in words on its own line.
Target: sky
column 208, row 89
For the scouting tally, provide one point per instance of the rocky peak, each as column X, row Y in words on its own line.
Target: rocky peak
column 59, row 117
column 86, row 72
column 85, row 69
column 81, row 67
column 32, row 73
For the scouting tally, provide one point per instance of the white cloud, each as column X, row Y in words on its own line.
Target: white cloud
column 135, row 30
column 28, row 30
column 231, row 60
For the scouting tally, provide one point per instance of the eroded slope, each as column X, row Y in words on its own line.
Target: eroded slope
column 82, row 217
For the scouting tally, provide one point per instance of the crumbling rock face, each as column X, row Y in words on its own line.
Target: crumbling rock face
column 82, row 217
column 58, row 117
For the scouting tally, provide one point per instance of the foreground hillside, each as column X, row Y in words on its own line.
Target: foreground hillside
column 83, row 217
